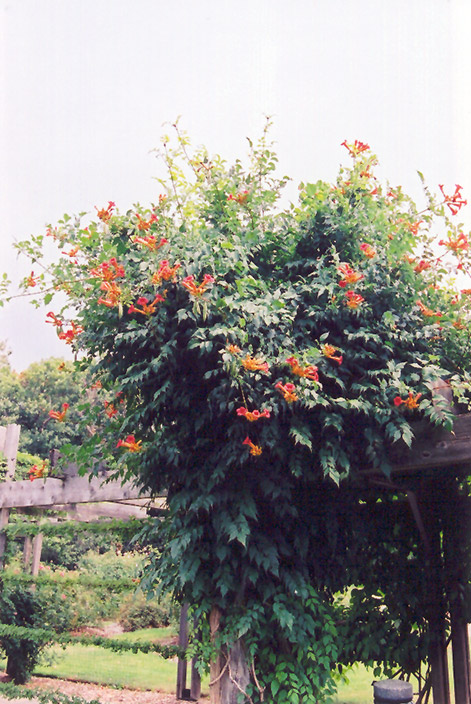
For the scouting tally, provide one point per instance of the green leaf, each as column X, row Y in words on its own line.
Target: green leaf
column 300, row 433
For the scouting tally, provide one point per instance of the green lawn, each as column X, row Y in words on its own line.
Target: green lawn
column 152, row 672
column 359, row 689
column 149, row 671
column 94, row 664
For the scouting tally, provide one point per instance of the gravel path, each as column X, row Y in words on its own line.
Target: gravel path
column 105, row 695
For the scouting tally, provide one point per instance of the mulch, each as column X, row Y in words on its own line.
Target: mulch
column 89, row 691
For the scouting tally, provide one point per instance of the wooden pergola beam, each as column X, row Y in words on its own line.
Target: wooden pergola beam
column 433, row 448
column 71, row 490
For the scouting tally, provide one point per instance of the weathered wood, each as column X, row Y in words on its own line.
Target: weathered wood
column 37, row 547
column 86, row 513
column 9, row 439
column 27, row 552
column 461, row 661
column 431, row 494
column 49, row 492
column 456, row 524
column 182, row 643
column 435, row 448
column 215, row 665
column 236, row 677
column 195, row 686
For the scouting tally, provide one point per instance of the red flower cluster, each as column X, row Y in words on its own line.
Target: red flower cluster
column 70, row 335
column 411, row 226
column 253, row 415
column 329, row 352
column 353, row 300
column 37, row 471
column 150, row 241
column 144, row 225
column 288, row 391
column 356, row 148
column 113, row 294
column 428, row 312
column 255, row 450
column 108, row 271
column 72, row 252
column 130, row 443
column 57, row 322
column 165, row 272
column 414, row 226
column 105, row 213
column 146, row 307
column 349, row 275
column 309, row 372
column 32, row 280
column 454, row 244
column 110, row 409
column 455, row 202
column 254, row 364
column 368, row 250
column 240, row 198
column 410, row 402
column 59, row 415
column 52, row 233
column 197, row 289
column 422, row 266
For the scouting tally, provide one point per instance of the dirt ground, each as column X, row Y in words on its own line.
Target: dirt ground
column 105, row 695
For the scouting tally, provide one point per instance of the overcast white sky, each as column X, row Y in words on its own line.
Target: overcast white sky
column 85, row 87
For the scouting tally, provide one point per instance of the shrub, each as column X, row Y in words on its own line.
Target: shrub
column 138, row 612
column 89, row 605
column 68, row 552
column 21, row 606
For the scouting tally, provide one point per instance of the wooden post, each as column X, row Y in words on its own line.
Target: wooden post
column 194, row 692
column 461, row 662
column 195, row 683
column 432, row 495
column 27, row 552
column 236, row 677
column 215, row 665
column 182, row 643
column 195, row 687
column 456, row 532
column 9, row 439
column 37, row 547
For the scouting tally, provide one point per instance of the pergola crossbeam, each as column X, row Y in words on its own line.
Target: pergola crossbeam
column 47, row 493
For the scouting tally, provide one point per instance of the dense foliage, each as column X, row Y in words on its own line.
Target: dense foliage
column 24, row 608
column 28, row 397
column 252, row 362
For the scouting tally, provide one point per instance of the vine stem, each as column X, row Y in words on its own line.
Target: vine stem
column 257, row 683
column 216, row 680
column 174, row 185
